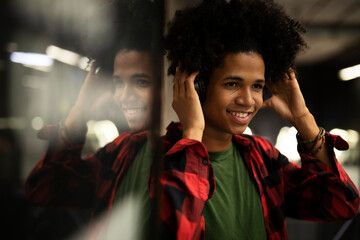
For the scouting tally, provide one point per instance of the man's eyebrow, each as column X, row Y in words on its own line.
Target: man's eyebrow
column 140, row 75
column 241, row 79
column 137, row 75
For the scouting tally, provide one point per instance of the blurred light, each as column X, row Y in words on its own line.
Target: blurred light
column 62, row 55
column 352, row 137
column 105, row 131
column 287, row 144
column 248, row 131
column 31, row 59
column 340, row 132
column 67, row 57
column 350, row 73
column 84, row 63
column 39, row 68
column 37, row 123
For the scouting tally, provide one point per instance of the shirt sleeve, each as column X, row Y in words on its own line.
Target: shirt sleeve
column 62, row 179
column 187, row 181
column 317, row 193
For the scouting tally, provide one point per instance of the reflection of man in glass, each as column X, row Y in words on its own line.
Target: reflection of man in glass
column 62, row 178
column 122, row 50
column 133, row 87
column 130, row 89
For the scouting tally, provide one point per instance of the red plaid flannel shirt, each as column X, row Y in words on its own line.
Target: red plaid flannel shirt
column 311, row 192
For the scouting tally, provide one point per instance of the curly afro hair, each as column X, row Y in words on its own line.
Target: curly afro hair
column 119, row 24
column 200, row 37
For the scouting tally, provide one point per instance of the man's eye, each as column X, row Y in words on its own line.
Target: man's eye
column 231, row 84
column 258, row 86
column 143, row 83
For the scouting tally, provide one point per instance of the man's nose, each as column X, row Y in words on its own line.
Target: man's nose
column 127, row 93
column 245, row 97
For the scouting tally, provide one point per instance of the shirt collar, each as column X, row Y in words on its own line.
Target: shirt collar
column 241, row 140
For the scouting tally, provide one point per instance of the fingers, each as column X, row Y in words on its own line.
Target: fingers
column 189, row 84
column 91, row 74
column 181, row 83
column 184, row 83
column 289, row 81
column 93, row 68
column 290, row 75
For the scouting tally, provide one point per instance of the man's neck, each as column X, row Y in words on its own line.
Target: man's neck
column 216, row 142
column 150, row 138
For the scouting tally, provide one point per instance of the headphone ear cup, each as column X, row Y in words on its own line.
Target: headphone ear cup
column 200, row 88
column 266, row 93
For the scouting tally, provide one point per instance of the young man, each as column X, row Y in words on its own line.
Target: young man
column 236, row 48
column 256, row 187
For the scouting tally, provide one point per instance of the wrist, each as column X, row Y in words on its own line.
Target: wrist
column 76, row 121
column 193, row 133
column 71, row 137
column 306, row 126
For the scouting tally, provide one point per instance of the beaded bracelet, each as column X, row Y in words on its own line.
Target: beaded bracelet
column 312, row 152
column 317, row 138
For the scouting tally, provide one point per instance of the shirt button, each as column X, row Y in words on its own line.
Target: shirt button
column 204, row 161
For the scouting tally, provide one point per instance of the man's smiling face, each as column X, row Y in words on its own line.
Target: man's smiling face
column 234, row 94
column 133, row 81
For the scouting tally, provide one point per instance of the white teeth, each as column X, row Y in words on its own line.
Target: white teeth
column 240, row 115
column 132, row 111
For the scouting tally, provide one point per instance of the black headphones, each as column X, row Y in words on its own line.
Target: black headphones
column 266, row 93
column 200, row 87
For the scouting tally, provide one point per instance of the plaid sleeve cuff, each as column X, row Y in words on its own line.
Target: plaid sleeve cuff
column 332, row 141
column 52, row 132
column 196, row 146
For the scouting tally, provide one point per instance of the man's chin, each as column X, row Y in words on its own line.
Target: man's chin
column 240, row 130
column 138, row 126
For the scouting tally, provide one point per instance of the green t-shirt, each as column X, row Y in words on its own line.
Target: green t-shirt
column 134, row 182
column 235, row 210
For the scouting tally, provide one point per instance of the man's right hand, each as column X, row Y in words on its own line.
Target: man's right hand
column 187, row 106
column 95, row 95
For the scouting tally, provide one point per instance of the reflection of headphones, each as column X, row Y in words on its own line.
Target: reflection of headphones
column 200, row 87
